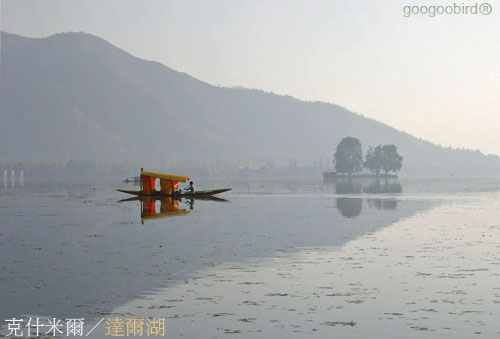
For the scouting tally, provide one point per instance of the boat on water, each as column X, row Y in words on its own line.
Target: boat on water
column 169, row 187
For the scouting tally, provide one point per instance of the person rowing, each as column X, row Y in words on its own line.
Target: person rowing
column 189, row 188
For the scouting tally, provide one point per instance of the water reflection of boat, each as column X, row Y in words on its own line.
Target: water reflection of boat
column 168, row 206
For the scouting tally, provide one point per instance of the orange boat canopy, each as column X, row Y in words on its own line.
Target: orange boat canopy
column 169, row 183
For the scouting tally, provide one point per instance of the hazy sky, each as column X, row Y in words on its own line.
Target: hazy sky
column 437, row 78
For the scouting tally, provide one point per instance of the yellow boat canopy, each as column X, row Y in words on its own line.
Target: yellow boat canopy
column 166, row 176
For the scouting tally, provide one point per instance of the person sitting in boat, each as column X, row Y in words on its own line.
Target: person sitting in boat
column 189, row 189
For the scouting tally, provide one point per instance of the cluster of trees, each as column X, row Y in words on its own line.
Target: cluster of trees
column 348, row 158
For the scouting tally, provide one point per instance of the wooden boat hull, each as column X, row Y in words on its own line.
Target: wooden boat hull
column 196, row 194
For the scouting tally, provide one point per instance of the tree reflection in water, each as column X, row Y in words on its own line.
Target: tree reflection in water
column 383, row 204
column 387, row 187
column 351, row 207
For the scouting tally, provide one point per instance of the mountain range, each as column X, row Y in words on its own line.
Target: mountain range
column 75, row 95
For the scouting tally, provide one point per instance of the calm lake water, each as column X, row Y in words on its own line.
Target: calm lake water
column 413, row 258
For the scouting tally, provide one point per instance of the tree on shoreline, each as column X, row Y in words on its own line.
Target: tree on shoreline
column 384, row 158
column 391, row 160
column 373, row 160
column 348, row 157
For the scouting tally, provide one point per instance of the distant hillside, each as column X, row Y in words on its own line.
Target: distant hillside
column 74, row 95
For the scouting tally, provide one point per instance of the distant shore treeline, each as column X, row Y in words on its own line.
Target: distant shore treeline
column 66, row 168
column 216, row 168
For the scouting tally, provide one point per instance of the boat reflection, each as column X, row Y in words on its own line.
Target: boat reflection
column 166, row 207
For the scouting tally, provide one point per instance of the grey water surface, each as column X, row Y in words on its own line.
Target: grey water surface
column 291, row 258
